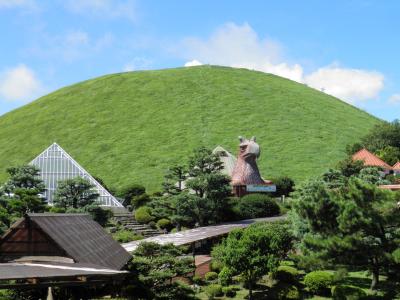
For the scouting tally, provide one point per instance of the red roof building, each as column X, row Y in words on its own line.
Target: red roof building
column 396, row 167
column 370, row 159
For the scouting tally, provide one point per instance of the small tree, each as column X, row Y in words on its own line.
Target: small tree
column 173, row 180
column 22, row 193
column 284, row 186
column 75, row 193
column 130, row 191
column 254, row 251
column 356, row 224
column 153, row 268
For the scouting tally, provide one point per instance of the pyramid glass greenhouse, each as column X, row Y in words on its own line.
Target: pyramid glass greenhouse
column 55, row 164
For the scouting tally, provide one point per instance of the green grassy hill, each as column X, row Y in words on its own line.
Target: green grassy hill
column 130, row 127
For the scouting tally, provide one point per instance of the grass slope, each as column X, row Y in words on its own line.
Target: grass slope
column 130, row 127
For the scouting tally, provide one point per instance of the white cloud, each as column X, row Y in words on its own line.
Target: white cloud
column 104, row 8
column 193, row 63
column 239, row 46
column 20, row 84
column 351, row 85
column 394, row 99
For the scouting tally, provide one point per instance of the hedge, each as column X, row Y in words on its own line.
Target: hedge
column 210, row 276
column 229, row 291
column 256, row 206
column 213, row 290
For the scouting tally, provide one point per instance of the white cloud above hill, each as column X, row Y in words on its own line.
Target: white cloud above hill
column 20, row 84
column 240, row 46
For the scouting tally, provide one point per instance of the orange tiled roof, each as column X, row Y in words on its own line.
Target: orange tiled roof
column 396, row 166
column 370, row 159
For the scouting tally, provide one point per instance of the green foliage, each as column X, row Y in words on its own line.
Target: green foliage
column 283, row 291
column 348, row 167
column 143, row 215
column 22, row 193
column 225, row 276
column 213, row 290
column 257, row 206
column 382, row 136
column 216, row 266
column 284, row 185
column 125, row 236
column 286, row 274
column 99, row 214
column 173, row 179
column 396, row 256
column 389, row 154
column 154, row 266
column 198, row 280
column 254, row 251
column 372, row 175
column 347, row 292
column 129, row 191
column 140, row 200
column 164, row 224
column 75, row 193
column 229, row 291
column 211, row 276
column 318, row 282
column 201, row 105
column 356, row 224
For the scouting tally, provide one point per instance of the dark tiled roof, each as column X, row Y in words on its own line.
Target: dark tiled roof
column 83, row 239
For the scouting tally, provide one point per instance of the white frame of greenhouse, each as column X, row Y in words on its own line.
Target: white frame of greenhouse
column 56, row 164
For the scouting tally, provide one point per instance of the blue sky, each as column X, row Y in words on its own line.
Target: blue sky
column 349, row 49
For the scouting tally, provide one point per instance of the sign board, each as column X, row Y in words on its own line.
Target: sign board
column 260, row 188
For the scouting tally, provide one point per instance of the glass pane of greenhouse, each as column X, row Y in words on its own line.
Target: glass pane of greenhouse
column 55, row 164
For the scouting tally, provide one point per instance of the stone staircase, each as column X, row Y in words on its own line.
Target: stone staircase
column 128, row 222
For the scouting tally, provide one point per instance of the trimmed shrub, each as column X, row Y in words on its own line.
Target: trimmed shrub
column 347, row 292
column 216, row 266
column 210, row 276
column 257, row 206
column 100, row 215
column 130, row 191
column 125, row 236
column 318, row 282
column 286, row 274
column 164, row 224
column 283, row 291
column 225, row 277
column 143, row 215
column 229, row 291
column 213, row 290
column 197, row 280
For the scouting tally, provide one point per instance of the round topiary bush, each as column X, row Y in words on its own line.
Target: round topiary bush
column 318, row 282
column 210, row 276
column 164, row 224
column 347, row 292
column 213, row 290
column 257, row 206
column 143, row 215
column 286, row 274
column 229, row 291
